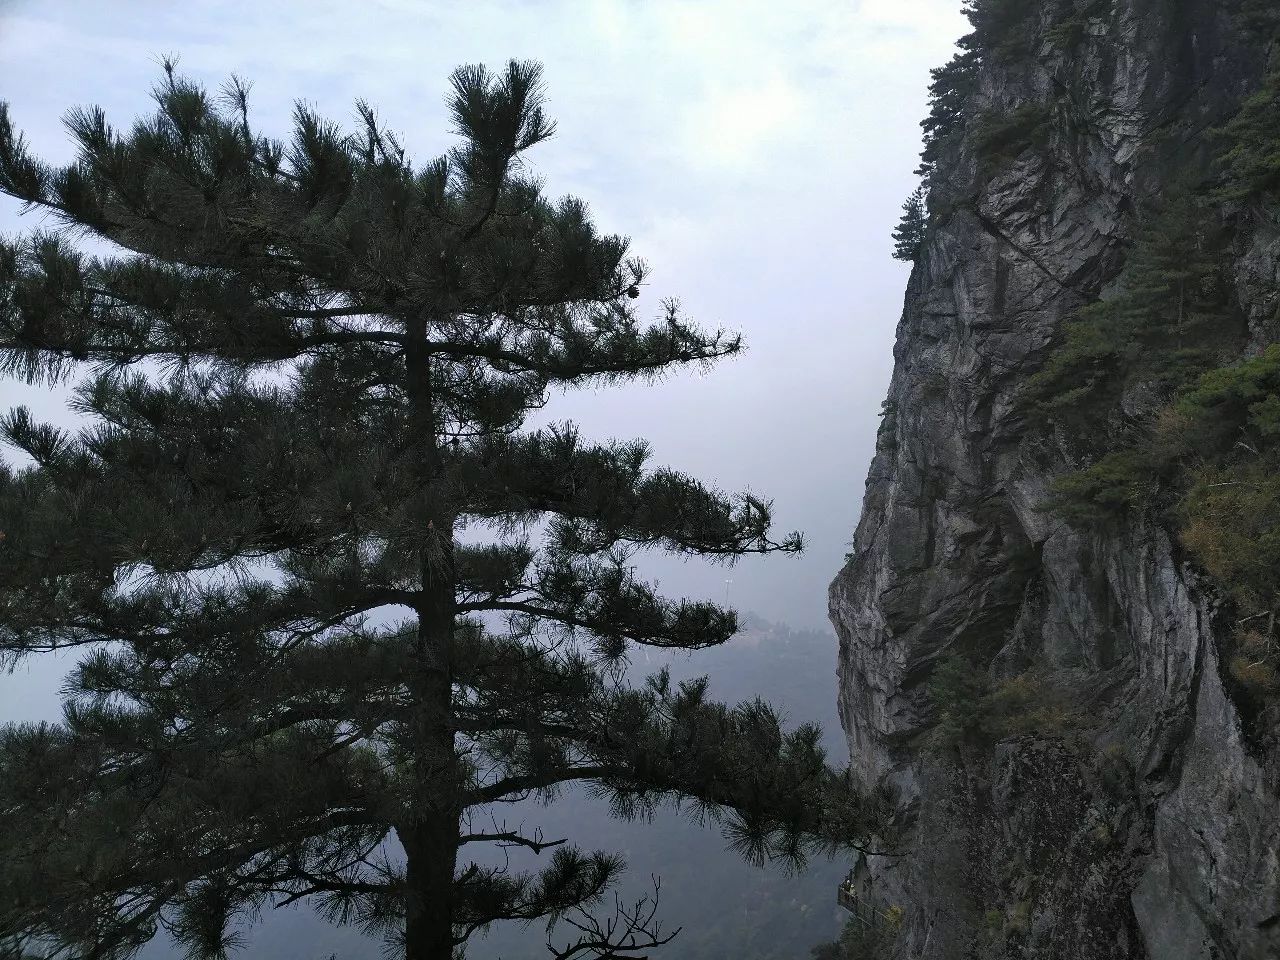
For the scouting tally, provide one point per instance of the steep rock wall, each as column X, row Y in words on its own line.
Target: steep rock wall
column 1150, row 828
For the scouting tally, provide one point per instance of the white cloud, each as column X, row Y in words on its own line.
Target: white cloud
column 736, row 126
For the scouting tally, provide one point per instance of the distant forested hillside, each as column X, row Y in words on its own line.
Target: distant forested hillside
column 725, row 907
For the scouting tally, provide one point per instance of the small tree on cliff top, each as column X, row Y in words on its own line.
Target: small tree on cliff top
column 307, row 366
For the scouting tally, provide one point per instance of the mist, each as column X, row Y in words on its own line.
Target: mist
column 756, row 153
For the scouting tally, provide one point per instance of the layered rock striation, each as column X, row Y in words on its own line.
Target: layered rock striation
column 1144, row 824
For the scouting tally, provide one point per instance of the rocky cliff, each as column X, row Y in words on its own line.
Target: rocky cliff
column 1135, row 817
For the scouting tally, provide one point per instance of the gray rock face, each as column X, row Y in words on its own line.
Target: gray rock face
column 1148, row 827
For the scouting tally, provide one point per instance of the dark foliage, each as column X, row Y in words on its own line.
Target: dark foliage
column 1250, row 160
column 1172, row 313
column 1229, row 424
column 999, row 138
column 306, row 370
column 1148, row 383
column 949, row 91
column 1125, row 359
column 994, row 26
column 909, row 236
column 1261, row 16
column 971, row 709
column 862, row 939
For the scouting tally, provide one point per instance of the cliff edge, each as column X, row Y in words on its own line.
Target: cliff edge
column 1051, row 696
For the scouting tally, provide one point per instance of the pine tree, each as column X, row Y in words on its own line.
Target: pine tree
column 993, row 21
column 950, row 89
column 1171, row 311
column 1249, row 160
column 305, row 674
column 909, row 235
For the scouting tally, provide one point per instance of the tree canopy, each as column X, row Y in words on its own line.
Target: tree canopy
column 336, row 602
column 909, row 235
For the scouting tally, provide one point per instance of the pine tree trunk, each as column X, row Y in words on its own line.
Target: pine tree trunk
column 431, row 846
column 431, row 851
column 431, row 837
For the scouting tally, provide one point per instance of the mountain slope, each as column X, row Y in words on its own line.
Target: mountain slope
column 1050, row 694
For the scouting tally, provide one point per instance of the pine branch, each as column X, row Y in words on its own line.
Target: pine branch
column 630, row 930
column 510, row 838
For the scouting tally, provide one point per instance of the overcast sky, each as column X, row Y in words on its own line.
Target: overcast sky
column 757, row 152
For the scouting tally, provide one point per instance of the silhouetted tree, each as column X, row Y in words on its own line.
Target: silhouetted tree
column 950, row 88
column 909, row 235
column 306, row 367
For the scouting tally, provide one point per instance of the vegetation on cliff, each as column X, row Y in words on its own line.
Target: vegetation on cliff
column 998, row 135
column 862, row 939
column 971, row 709
column 1171, row 316
column 1146, row 385
column 1153, row 383
column 909, row 236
